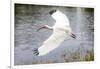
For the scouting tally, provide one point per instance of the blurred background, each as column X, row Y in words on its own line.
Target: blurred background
column 28, row 18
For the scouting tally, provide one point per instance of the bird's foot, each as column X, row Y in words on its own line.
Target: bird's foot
column 73, row 35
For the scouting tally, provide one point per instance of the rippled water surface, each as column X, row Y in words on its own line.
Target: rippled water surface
column 28, row 18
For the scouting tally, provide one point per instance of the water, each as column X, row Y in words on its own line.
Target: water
column 28, row 18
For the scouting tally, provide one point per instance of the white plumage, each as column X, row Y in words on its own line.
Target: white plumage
column 61, row 30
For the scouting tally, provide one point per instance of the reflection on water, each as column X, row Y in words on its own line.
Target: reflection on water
column 28, row 18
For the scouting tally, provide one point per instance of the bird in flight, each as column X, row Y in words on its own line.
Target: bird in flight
column 61, row 30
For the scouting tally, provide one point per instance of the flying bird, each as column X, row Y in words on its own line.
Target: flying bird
column 61, row 30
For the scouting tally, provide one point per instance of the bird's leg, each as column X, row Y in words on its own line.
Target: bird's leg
column 45, row 27
column 73, row 35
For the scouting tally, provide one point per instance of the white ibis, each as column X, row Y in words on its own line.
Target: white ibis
column 61, row 30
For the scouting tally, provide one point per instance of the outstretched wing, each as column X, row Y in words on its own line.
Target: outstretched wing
column 61, row 19
column 60, row 33
column 52, row 42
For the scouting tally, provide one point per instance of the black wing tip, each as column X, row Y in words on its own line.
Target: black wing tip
column 36, row 52
column 52, row 11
